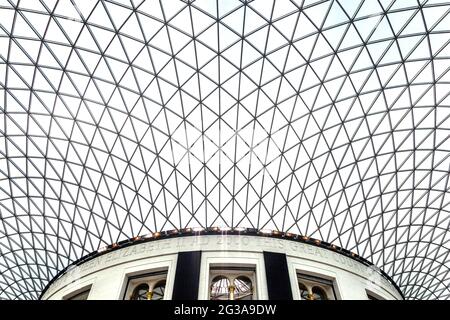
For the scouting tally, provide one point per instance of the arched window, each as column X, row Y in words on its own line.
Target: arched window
column 318, row 294
column 243, row 289
column 303, row 291
column 146, row 286
column 158, row 291
column 315, row 288
column 220, row 288
column 233, row 282
column 141, row 292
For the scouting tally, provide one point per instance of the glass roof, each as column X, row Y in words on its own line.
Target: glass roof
column 324, row 118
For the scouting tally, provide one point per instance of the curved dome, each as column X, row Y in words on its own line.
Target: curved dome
column 324, row 118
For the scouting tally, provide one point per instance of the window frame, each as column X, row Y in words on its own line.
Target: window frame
column 151, row 278
column 375, row 296
column 239, row 259
column 79, row 291
column 232, row 272
column 324, row 282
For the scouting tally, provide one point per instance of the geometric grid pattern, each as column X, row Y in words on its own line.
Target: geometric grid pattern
column 327, row 118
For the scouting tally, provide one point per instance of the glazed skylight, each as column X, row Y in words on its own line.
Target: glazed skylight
column 324, row 118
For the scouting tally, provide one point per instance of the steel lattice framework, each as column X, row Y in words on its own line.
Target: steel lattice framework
column 324, row 118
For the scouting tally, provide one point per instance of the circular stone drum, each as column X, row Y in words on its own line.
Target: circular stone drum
column 222, row 266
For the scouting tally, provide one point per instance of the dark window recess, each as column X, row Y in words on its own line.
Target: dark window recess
column 83, row 295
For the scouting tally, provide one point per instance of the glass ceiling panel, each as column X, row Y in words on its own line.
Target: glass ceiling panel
column 324, row 118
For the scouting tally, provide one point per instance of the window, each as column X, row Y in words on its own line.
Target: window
column 220, row 288
column 158, row 290
column 149, row 286
column 318, row 294
column 232, row 283
column 315, row 288
column 373, row 296
column 79, row 295
column 141, row 292
column 243, row 289
column 303, row 291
